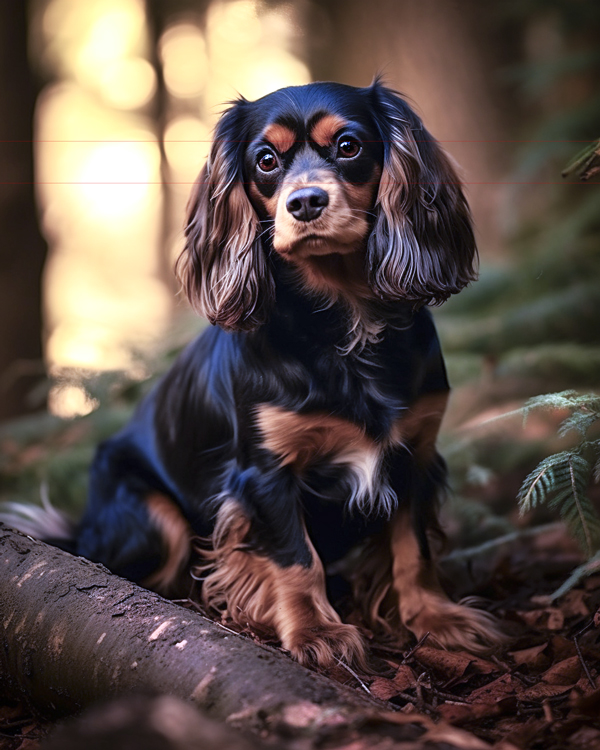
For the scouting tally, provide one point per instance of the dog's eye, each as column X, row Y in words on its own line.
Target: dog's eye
column 267, row 162
column 348, row 147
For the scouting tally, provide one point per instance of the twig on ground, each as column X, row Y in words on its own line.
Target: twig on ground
column 415, row 648
column 353, row 673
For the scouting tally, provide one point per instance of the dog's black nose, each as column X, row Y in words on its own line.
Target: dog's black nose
column 307, row 203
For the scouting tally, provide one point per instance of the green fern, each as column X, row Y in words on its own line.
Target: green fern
column 562, row 480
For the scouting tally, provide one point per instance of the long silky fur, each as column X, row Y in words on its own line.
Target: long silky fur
column 422, row 246
column 223, row 267
column 290, row 602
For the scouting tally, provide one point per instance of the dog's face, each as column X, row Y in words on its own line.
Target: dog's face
column 312, row 167
column 319, row 172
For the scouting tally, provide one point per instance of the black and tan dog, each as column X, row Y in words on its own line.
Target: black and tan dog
column 304, row 422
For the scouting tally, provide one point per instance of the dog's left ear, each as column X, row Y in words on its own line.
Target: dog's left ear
column 422, row 246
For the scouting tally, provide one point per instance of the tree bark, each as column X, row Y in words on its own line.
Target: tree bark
column 22, row 249
column 73, row 634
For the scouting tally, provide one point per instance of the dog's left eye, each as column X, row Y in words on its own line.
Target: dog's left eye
column 267, row 162
column 348, row 147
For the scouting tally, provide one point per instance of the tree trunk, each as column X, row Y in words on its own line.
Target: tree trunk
column 22, row 250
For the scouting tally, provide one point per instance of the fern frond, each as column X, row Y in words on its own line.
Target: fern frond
column 550, row 475
column 580, row 515
column 596, row 472
column 586, row 403
column 561, row 481
column 580, row 420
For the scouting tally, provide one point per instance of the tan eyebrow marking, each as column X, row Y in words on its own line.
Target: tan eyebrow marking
column 280, row 136
column 324, row 130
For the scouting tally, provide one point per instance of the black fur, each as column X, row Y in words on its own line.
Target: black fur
column 280, row 342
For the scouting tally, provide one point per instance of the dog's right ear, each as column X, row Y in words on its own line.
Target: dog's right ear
column 223, row 267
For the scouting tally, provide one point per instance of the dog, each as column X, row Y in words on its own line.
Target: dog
column 302, row 425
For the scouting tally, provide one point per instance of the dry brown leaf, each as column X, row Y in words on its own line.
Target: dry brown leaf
column 384, row 689
column 550, row 618
column 562, row 648
column 565, row 672
column 453, row 664
column 532, row 657
column 542, row 690
column 588, row 705
column 494, row 691
column 405, row 678
column 450, row 664
column 457, row 713
column 573, row 603
column 440, row 732
column 520, row 732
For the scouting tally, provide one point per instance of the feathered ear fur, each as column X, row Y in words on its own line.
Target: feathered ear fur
column 422, row 246
column 223, row 267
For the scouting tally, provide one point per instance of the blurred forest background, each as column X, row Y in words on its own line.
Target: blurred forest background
column 108, row 107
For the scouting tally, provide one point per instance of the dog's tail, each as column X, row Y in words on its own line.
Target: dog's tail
column 43, row 521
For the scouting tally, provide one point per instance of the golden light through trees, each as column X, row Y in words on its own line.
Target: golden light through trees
column 98, row 159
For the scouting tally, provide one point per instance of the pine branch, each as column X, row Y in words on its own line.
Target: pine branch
column 586, row 163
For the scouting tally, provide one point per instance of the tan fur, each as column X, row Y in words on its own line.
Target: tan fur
column 290, row 602
column 339, row 228
column 423, row 605
column 300, row 440
column 176, row 535
column 222, row 267
column 324, row 131
column 420, row 425
column 280, row 136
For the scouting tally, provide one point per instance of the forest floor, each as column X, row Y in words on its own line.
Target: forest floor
column 541, row 691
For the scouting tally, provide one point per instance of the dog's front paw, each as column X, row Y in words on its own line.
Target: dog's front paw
column 326, row 643
column 451, row 625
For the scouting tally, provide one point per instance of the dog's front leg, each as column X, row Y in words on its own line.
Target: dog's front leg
column 265, row 572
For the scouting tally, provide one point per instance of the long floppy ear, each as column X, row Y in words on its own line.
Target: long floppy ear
column 223, row 267
column 422, row 246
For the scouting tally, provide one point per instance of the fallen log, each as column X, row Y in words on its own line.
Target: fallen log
column 73, row 635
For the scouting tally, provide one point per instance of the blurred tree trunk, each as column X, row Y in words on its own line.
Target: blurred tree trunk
column 22, row 249
column 444, row 56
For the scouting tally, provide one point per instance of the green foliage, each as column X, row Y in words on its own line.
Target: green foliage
column 562, row 480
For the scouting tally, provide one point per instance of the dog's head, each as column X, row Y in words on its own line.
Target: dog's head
column 316, row 173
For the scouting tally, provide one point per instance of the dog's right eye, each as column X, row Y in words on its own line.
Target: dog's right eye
column 267, row 162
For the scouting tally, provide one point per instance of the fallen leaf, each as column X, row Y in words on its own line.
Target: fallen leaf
column 532, row 657
column 550, row 618
column 449, row 664
column 573, row 604
column 542, row 690
column 565, row 672
column 521, row 732
column 494, row 691
column 458, row 713
column 384, row 689
column 588, row 705
column 405, row 678
column 562, row 648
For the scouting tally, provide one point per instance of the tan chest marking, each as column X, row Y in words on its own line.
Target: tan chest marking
column 300, row 440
